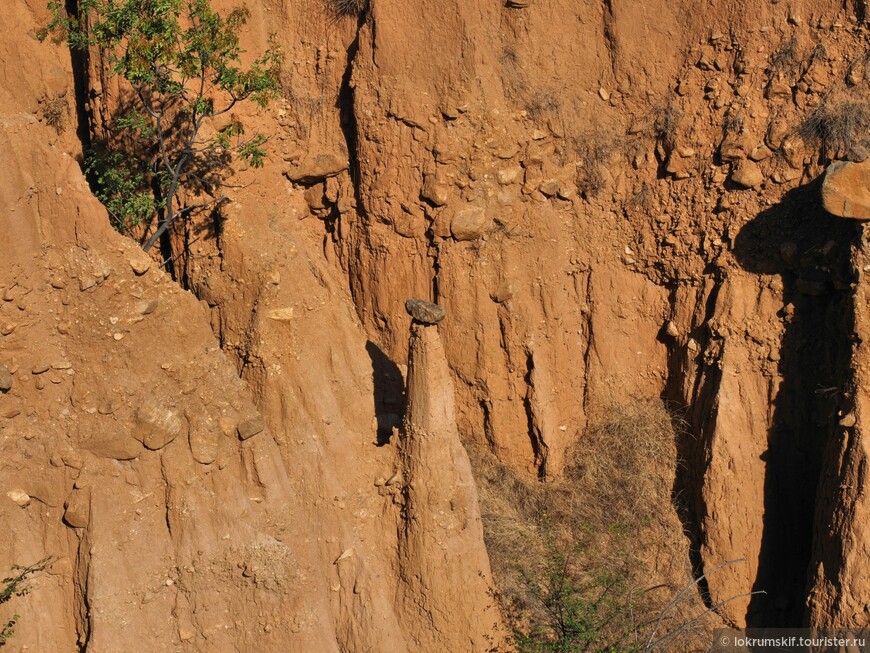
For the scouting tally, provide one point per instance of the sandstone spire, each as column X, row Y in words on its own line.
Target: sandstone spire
column 445, row 565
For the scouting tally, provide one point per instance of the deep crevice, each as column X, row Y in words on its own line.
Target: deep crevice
column 810, row 251
column 79, row 62
column 347, row 115
column 610, row 35
column 539, row 447
column 80, row 592
column 690, row 463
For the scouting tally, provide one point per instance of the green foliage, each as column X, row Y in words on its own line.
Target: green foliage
column 182, row 63
column 121, row 184
column 15, row 585
column 574, row 616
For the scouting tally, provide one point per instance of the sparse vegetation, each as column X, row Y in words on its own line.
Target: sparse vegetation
column 666, row 122
column 573, row 557
column 786, row 57
column 181, row 62
column 16, row 585
column 53, row 111
column 348, row 7
column 536, row 101
column 594, row 150
column 540, row 103
column 837, row 126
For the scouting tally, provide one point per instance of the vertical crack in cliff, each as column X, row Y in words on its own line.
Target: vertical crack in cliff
column 81, row 604
column 610, row 36
column 539, row 445
column 435, row 252
column 347, row 114
column 79, row 63
column 691, row 456
column 810, row 251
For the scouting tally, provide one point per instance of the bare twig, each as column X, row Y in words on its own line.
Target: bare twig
column 673, row 602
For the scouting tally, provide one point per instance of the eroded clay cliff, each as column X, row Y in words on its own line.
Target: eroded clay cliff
column 610, row 200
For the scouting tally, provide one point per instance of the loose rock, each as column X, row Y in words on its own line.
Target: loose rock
column 20, row 497
column 849, row 420
column 250, row 427
column 503, row 293
column 140, row 264
column 314, row 197
column 315, row 167
column 107, row 406
column 204, row 440
column 5, row 379
column 77, row 512
column 846, row 190
column 435, row 190
column 147, row 307
column 112, row 444
column 747, row 174
column 157, row 425
column 425, row 312
column 468, row 224
column 284, row 314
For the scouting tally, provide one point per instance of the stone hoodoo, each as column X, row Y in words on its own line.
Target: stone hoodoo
column 425, row 312
column 442, row 536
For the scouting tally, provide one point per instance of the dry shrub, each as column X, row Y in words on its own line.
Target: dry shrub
column 54, row 111
column 786, row 58
column 348, row 7
column 837, row 126
column 666, row 121
column 610, row 524
column 594, row 150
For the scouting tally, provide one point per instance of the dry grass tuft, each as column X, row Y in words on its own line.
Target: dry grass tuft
column 626, row 462
column 348, row 7
column 666, row 122
column 594, row 151
column 837, row 126
column 53, row 111
column 786, row 58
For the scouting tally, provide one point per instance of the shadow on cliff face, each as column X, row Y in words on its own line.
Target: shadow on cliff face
column 389, row 387
column 810, row 250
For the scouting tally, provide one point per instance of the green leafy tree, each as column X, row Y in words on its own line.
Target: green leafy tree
column 181, row 62
column 16, row 585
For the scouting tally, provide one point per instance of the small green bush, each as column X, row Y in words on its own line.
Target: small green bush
column 593, row 615
column 15, row 585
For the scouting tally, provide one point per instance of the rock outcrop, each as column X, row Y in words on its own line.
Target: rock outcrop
column 846, row 189
column 441, row 534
